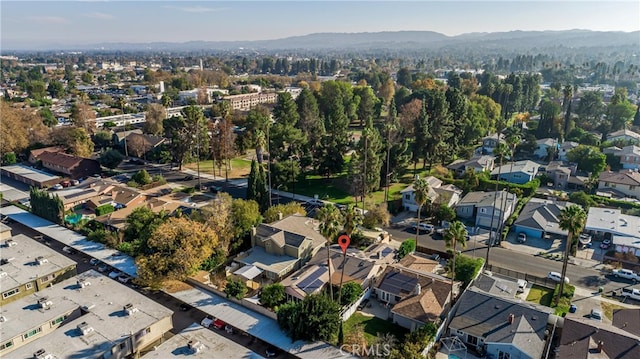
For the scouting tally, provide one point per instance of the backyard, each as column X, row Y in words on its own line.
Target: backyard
column 540, row 295
column 372, row 326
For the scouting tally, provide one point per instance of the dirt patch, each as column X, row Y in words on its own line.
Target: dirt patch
column 174, row 286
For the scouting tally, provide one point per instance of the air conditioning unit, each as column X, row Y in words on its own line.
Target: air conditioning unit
column 3, row 274
column 130, row 309
column 85, row 328
column 87, row 308
column 194, row 346
column 82, row 282
column 41, row 260
column 11, row 243
column 45, row 303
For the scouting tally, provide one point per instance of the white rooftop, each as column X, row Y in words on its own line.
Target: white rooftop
column 23, row 266
column 209, row 344
column 258, row 325
column 613, row 221
column 112, row 257
column 30, row 173
column 111, row 324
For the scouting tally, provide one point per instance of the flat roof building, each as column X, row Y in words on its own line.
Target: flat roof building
column 197, row 341
column 29, row 266
column 88, row 316
column 30, row 176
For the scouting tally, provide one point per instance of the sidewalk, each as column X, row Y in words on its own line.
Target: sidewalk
column 586, row 293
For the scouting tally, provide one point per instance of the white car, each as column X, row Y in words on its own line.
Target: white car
column 424, row 227
column 626, row 274
column 556, row 277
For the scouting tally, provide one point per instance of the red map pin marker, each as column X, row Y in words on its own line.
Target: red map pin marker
column 343, row 242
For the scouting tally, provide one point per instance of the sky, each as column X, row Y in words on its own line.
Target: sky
column 27, row 23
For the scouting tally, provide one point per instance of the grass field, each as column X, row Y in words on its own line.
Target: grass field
column 373, row 326
column 540, row 295
column 240, row 167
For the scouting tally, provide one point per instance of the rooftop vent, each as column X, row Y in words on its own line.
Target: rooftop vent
column 130, row 309
column 11, row 243
column 88, row 307
column 4, row 261
column 41, row 260
column 194, row 346
column 42, row 354
column 3, row 319
column 3, row 274
column 85, row 328
column 82, row 283
column 512, row 318
column 45, row 303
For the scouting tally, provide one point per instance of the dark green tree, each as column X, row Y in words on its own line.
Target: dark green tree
column 272, row 295
column 111, row 159
column 350, row 293
column 45, row 205
column 407, row 247
column 235, row 288
column 315, row 318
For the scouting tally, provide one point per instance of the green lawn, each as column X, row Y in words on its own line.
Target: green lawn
column 373, row 326
column 540, row 295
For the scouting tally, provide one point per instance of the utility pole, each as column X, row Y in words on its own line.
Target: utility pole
column 269, row 163
column 364, row 176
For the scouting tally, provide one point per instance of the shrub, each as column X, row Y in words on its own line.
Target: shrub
column 407, row 247
column 235, row 289
column 104, row 209
column 142, row 177
column 272, row 295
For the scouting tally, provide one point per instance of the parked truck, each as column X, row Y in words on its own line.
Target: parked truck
column 626, row 274
column 632, row 293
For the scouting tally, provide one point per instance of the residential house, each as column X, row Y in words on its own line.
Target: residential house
column 564, row 175
column 565, row 147
column 481, row 205
column 477, row 163
column 28, row 266
column 118, row 197
column 35, row 154
column 118, row 138
column 86, row 316
column 544, row 145
column 283, row 246
column 496, row 286
column 489, row 143
column 622, row 229
column 415, row 298
column 586, row 338
column 626, row 182
column 540, row 218
column 138, row 145
column 625, row 135
column 73, row 166
column 438, row 194
column 314, row 276
column 419, row 262
column 629, row 157
column 628, row 320
column 500, row 327
column 519, row 172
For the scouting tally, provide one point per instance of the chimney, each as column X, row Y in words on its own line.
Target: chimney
column 512, row 318
column 600, row 346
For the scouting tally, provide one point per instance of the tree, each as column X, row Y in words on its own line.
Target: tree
column 407, row 247
column 218, row 216
column 111, row 159
column 590, row 109
column 9, row 158
column 83, row 116
column 245, row 214
column 315, row 318
column 350, row 292
column 75, row 139
column 330, row 219
column 141, row 224
column 455, row 235
column 421, row 196
column 273, row 213
column 142, row 177
column 177, row 248
column 102, row 139
column 445, row 213
column 286, row 139
column 272, row 295
column 19, row 129
column 352, row 218
column 369, row 150
column 311, row 123
column 235, row 288
column 404, row 77
column 572, row 220
column 377, row 216
column 56, row 89
column 588, row 158
column 154, row 118
column 46, row 205
column 48, row 119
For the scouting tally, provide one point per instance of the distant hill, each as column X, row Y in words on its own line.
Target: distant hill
column 395, row 41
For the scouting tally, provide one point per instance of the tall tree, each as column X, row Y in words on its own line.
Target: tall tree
column 311, row 124
column 421, row 197
column 286, row 139
column 455, row 235
column 330, row 219
column 499, row 152
column 370, row 150
column 572, row 220
column 153, row 119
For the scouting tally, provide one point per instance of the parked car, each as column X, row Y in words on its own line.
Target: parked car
column 218, row 324
column 631, row 293
column 75, row 182
column 94, row 261
column 57, row 187
column 207, row 321
column 522, row 285
column 522, row 237
column 69, row 250
column 114, row 274
column 102, row 268
column 596, row 314
column 606, row 243
column 557, row 277
column 626, row 274
column 573, row 308
column 123, row 278
column 314, row 202
column 424, row 227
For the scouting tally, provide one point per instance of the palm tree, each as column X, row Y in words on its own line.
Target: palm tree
column 166, row 100
column 455, row 234
column 421, row 196
column 352, row 218
column 330, row 219
column 260, row 143
column 572, row 220
column 499, row 152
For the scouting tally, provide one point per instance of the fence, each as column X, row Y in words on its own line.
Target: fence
column 544, row 282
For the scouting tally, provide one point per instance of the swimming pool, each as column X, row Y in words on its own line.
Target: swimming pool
column 73, row 218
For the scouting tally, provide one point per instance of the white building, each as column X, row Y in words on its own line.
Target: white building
column 622, row 229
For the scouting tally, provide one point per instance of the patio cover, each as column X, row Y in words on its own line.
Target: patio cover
column 249, row 272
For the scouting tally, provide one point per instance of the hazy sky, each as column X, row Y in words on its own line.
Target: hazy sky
column 35, row 23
